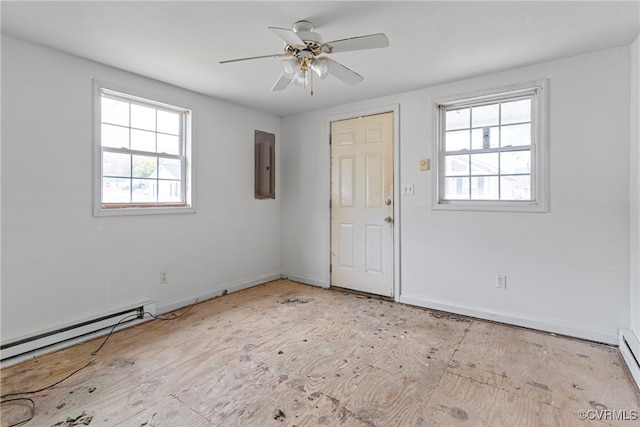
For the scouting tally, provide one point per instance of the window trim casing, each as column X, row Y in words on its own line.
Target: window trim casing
column 141, row 209
column 539, row 149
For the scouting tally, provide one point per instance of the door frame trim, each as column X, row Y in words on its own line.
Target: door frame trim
column 353, row 114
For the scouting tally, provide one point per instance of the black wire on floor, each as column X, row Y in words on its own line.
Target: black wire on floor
column 93, row 353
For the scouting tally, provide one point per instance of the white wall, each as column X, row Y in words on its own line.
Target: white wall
column 634, row 194
column 59, row 263
column 567, row 270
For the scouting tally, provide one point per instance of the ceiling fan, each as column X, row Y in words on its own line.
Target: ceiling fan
column 304, row 52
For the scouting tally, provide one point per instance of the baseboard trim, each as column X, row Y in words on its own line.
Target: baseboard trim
column 545, row 326
column 630, row 350
column 219, row 290
column 306, row 280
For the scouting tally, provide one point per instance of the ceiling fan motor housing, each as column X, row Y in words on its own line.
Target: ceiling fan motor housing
column 303, row 26
column 312, row 40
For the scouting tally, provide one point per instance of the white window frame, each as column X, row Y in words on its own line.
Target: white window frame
column 539, row 148
column 120, row 209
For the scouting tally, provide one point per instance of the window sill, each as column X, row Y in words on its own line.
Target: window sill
column 133, row 211
column 480, row 206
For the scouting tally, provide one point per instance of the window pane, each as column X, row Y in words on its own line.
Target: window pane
column 515, row 162
column 168, row 144
column 516, row 135
column 169, row 191
column 457, row 140
column 479, row 141
column 168, row 122
column 116, row 164
column 143, row 117
column 516, row 111
column 116, row 190
column 515, row 187
column 143, row 140
column 145, row 166
column 484, row 164
column 484, row 188
column 143, row 150
column 170, row 169
column 456, row 188
column 456, row 165
column 143, row 190
column 114, row 136
column 116, row 112
column 457, row 119
column 487, row 115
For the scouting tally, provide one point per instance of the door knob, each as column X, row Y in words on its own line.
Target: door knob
column 388, row 220
column 387, row 202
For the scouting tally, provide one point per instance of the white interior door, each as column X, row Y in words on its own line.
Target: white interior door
column 362, row 204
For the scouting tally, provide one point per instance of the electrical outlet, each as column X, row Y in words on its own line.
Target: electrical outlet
column 164, row 278
column 501, row 281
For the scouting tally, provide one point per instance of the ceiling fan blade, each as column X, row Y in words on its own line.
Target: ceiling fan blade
column 289, row 37
column 343, row 73
column 372, row 41
column 275, row 55
column 281, row 83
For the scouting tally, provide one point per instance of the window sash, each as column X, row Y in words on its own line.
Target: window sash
column 142, row 153
column 143, row 102
column 182, row 142
column 480, row 101
column 475, row 102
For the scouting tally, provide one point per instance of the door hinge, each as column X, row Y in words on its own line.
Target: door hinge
column 330, row 268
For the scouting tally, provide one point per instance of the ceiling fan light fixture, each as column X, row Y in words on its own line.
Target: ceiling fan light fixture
column 320, row 66
column 290, row 67
column 302, row 78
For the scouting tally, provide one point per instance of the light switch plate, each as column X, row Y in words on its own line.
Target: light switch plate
column 407, row 189
column 425, row 164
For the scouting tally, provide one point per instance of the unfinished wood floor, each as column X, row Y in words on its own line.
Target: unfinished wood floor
column 289, row 354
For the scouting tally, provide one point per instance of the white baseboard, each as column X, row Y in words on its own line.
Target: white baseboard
column 306, row 280
column 630, row 350
column 542, row 325
column 219, row 290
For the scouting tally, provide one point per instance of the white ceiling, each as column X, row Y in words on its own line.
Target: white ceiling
column 431, row 42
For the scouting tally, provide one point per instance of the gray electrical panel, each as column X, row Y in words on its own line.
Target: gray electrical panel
column 265, row 165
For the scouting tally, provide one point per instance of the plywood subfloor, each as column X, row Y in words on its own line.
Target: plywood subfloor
column 289, row 354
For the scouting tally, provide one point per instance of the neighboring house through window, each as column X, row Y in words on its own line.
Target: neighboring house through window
column 492, row 151
column 142, row 155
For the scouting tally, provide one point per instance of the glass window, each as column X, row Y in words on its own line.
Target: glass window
column 491, row 152
column 143, row 153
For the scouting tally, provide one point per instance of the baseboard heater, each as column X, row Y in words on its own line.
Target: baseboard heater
column 66, row 336
column 630, row 349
